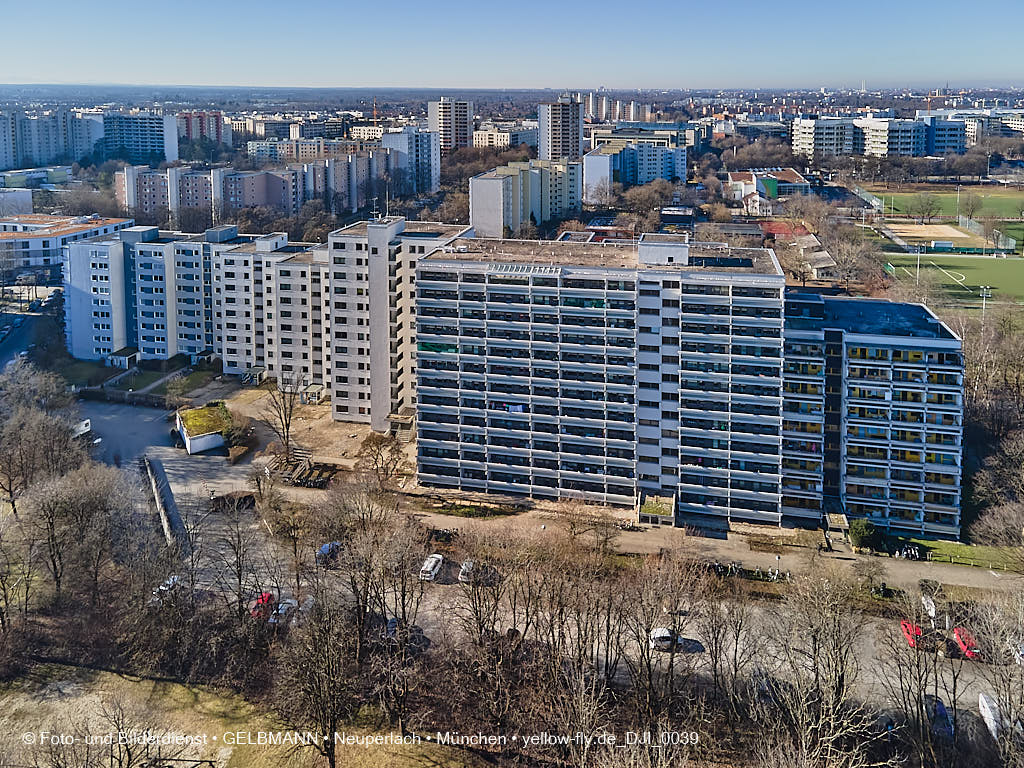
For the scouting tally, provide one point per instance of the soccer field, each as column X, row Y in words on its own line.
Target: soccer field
column 962, row 276
column 999, row 202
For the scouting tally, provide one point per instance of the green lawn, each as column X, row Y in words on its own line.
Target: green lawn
column 193, row 381
column 139, row 380
column 999, row 202
column 965, row 275
column 81, row 373
column 964, row 554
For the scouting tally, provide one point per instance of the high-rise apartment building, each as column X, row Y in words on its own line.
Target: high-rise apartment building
column 630, row 165
column 504, row 200
column 453, row 121
column 421, row 157
column 560, row 129
column 337, row 315
column 45, row 137
column 204, row 125
column 680, row 373
column 141, row 137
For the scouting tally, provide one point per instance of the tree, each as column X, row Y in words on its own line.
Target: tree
column 863, row 532
column 279, row 411
column 970, row 204
column 314, row 688
column 383, row 455
column 925, row 206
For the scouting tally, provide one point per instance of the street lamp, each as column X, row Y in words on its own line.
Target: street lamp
column 986, row 293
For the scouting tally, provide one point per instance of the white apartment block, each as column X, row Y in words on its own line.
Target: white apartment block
column 421, row 156
column 36, row 241
column 682, row 373
column 877, row 137
column 505, row 199
column 41, row 138
column 505, row 137
column 630, row 165
column 453, row 121
column 303, row 312
column 560, row 129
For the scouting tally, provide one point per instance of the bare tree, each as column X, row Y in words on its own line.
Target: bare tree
column 383, row 455
column 279, row 412
column 970, row 204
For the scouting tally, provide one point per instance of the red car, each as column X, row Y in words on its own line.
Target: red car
column 262, row 606
column 966, row 643
column 912, row 632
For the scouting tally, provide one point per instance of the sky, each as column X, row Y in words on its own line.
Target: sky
column 535, row 44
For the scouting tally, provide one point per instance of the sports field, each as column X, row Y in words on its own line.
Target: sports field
column 925, row 233
column 963, row 276
column 1000, row 202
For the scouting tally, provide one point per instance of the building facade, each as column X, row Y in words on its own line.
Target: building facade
column 678, row 374
column 453, row 121
column 140, row 137
column 560, row 129
column 204, row 125
column 506, row 199
column 35, row 241
column 420, row 155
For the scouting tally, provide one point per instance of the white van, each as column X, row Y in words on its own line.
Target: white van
column 431, row 567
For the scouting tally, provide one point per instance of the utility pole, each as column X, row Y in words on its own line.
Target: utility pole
column 986, row 293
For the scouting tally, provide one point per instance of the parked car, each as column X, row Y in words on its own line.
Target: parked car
column 665, row 640
column 18, row 322
column 263, row 606
column 938, row 716
column 283, row 612
column 431, row 567
column 327, row 555
column 966, row 643
column 912, row 632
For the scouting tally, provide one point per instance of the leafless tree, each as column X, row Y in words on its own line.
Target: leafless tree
column 383, row 455
column 279, row 411
column 970, row 204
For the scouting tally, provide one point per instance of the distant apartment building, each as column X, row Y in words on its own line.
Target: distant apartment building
column 504, row 200
column 877, row 137
column 141, row 137
column 305, row 150
column 40, row 138
column 366, row 132
column 680, row 377
column 452, row 119
column 44, row 178
column 560, row 129
column 332, row 128
column 34, row 241
column 421, row 156
column 980, row 122
column 335, row 316
column 204, row 125
column 687, row 135
column 511, row 136
column 261, row 128
column 630, row 165
column 598, row 106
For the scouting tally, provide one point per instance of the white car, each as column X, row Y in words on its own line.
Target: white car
column 431, row 567
column 467, row 572
column 166, row 589
column 283, row 612
column 665, row 640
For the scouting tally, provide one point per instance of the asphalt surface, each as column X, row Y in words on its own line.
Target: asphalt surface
column 18, row 339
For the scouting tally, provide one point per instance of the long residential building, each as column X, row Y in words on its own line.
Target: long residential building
column 140, row 137
column 507, row 136
column 204, row 125
column 877, row 137
column 305, row 150
column 41, row 138
column 504, row 200
column 35, row 241
column 681, row 375
column 335, row 316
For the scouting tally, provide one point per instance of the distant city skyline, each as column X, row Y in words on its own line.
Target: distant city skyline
column 802, row 44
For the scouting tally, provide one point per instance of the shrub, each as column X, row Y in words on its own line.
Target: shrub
column 863, row 533
column 236, row 452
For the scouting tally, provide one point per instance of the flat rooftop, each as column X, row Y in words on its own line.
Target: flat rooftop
column 812, row 312
column 709, row 257
column 43, row 225
column 426, row 229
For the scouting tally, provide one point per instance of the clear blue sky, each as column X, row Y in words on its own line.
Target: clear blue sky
column 539, row 43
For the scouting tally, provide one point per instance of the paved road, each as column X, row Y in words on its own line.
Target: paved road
column 19, row 338
column 125, row 431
